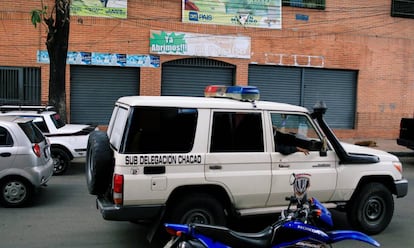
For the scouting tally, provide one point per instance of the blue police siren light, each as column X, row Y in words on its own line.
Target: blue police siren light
column 241, row 93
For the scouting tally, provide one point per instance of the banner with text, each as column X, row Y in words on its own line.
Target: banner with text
column 178, row 43
column 247, row 13
column 99, row 8
column 105, row 59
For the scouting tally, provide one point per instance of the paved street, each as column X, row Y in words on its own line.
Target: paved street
column 64, row 215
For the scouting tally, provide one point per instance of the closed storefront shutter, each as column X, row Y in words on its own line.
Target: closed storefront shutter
column 337, row 88
column 94, row 91
column 276, row 84
column 189, row 77
column 306, row 86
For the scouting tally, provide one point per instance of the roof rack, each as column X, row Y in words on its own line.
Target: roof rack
column 38, row 109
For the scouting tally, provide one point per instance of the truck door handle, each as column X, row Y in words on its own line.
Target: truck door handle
column 284, row 166
column 215, row 167
column 5, row 154
column 321, row 165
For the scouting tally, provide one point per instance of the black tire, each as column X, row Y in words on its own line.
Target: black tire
column 15, row 192
column 199, row 208
column 99, row 163
column 61, row 161
column 371, row 210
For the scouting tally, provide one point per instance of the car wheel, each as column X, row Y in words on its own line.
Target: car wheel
column 15, row 192
column 200, row 208
column 372, row 209
column 61, row 161
column 99, row 163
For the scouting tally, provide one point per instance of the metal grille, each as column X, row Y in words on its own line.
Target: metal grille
column 199, row 62
column 19, row 85
column 189, row 77
column 402, row 8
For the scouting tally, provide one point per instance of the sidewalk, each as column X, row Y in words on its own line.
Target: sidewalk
column 389, row 145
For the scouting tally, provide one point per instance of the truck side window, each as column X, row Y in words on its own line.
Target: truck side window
column 161, row 130
column 237, row 132
column 295, row 130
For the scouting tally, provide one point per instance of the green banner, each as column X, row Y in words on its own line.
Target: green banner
column 247, row 13
column 99, row 8
column 192, row 44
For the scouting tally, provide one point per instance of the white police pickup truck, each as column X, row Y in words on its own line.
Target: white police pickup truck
column 207, row 160
column 68, row 141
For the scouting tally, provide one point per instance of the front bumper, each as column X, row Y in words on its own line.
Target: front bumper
column 110, row 211
column 401, row 188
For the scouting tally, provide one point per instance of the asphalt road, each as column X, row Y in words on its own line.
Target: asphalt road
column 64, row 215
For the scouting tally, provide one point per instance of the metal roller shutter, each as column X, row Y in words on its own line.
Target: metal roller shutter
column 276, row 84
column 337, row 88
column 189, row 77
column 306, row 86
column 94, row 91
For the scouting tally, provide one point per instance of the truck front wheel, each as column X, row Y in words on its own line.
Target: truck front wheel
column 371, row 210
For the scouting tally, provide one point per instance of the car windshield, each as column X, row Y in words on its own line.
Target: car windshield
column 57, row 120
column 32, row 132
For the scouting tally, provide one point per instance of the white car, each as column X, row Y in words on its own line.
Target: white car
column 25, row 160
column 68, row 141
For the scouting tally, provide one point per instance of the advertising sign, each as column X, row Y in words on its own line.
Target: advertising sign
column 105, row 59
column 99, row 8
column 178, row 43
column 247, row 13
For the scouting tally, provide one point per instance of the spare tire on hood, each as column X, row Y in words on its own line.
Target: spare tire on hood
column 99, row 163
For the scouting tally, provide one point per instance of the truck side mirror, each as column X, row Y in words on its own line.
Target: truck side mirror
column 324, row 148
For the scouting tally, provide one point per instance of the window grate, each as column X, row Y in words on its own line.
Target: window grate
column 402, row 8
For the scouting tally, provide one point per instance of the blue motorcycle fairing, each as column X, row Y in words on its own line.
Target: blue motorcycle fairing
column 313, row 232
column 326, row 216
column 178, row 227
column 337, row 236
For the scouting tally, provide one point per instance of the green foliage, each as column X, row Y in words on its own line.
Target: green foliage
column 37, row 15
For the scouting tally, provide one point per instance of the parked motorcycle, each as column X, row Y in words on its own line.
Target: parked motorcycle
column 305, row 223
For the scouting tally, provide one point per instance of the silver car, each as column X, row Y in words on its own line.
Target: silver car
column 25, row 160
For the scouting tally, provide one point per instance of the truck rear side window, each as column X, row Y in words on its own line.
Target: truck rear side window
column 160, row 130
column 237, row 132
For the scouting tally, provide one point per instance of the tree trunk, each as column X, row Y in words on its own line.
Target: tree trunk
column 57, row 47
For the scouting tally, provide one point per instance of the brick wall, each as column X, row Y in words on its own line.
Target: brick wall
column 346, row 35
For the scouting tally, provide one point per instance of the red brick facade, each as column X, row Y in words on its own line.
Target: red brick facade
column 357, row 35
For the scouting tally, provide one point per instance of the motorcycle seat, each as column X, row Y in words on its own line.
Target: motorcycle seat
column 236, row 239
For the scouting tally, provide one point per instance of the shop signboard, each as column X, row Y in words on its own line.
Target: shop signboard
column 105, row 59
column 99, row 8
column 247, row 13
column 206, row 45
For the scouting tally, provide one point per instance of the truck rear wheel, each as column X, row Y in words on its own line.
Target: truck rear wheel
column 372, row 209
column 199, row 208
column 99, row 163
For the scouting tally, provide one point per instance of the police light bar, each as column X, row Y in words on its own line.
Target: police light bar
column 242, row 93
